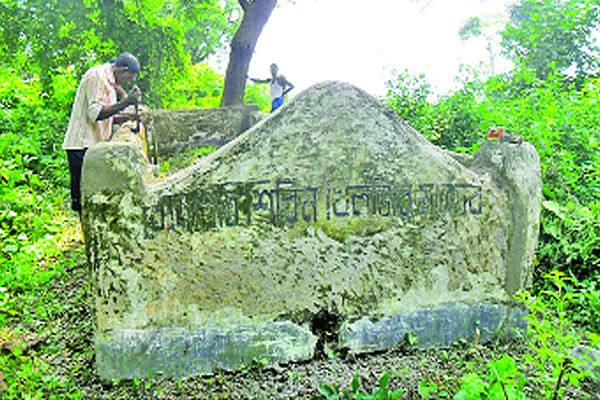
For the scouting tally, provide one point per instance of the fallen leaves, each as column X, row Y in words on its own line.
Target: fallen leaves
column 13, row 342
column 3, row 385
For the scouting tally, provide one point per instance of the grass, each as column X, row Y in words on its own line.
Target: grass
column 40, row 318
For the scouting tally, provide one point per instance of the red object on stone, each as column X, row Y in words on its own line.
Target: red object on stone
column 496, row 132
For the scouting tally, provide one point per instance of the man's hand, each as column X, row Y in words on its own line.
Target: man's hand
column 134, row 96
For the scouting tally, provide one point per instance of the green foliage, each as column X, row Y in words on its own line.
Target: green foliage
column 560, row 119
column 208, row 25
column 470, row 28
column 586, row 306
column 458, row 128
column 332, row 392
column 451, row 122
column 47, row 34
column 502, row 381
column 31, row 163
column 574, row 236
column 258, row 94
column 546, row 33
column 28, row 303
column 201, row 87
column 30, row 378
column 430, row 390
column 552, row 337
column 40, row 36
column 408, row 96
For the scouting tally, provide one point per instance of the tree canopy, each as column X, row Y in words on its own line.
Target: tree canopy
column 42, row 37
column 546, row 34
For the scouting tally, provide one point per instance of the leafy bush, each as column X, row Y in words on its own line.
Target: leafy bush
column 552, row 336
column 34, row 126
column 560, row 119
column 332, row 392
column 586, row 307
column 503, row 381
column 452, row 121
column 33, row 169
column 258, row 94
column 202, row 88
column 408, row 95
column 571, row 237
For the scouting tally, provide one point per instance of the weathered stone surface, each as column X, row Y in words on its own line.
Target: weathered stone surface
column 439, row 326
column 516, row 169
column 184, row 352
column 588, row 359
column 172, row 131
column 330, row 204
column 116, row 167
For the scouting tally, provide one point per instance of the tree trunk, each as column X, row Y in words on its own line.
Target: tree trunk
column 256, row 15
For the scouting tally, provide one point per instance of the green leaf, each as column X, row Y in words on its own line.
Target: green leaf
column 328, row 391
column 426, row 388
column 396, row 394
column 555, row 208
column 385, row 379
column 354, row 384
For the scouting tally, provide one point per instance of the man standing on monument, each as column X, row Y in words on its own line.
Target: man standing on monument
column 279, row 87
column 95, row 109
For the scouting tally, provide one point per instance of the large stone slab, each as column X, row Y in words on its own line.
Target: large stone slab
column 172, row 131
column 439, row 326
column 184, row 352
column 330, row 206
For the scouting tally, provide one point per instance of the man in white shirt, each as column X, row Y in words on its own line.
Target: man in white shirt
column 279, row 87
column 95, row 109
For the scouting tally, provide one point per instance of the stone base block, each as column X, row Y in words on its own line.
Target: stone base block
column 439, row 326
column 180, row 352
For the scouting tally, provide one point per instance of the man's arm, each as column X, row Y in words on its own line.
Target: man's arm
column 134, row 96
column 260, row 80
column 120, row 118
column 289, row 85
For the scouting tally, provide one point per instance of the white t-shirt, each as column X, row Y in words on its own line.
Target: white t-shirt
column 276, row 90
column 96, row 89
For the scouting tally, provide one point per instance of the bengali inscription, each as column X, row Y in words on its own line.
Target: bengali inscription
column 285, row 203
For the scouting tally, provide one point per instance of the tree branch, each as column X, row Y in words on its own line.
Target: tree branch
column 564, row 367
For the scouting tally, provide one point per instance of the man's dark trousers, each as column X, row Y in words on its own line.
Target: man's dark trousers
column 75, row 158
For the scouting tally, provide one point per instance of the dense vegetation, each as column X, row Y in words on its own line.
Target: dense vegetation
column 46, row 46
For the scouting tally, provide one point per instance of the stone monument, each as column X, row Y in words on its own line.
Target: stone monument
column 329, row 223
